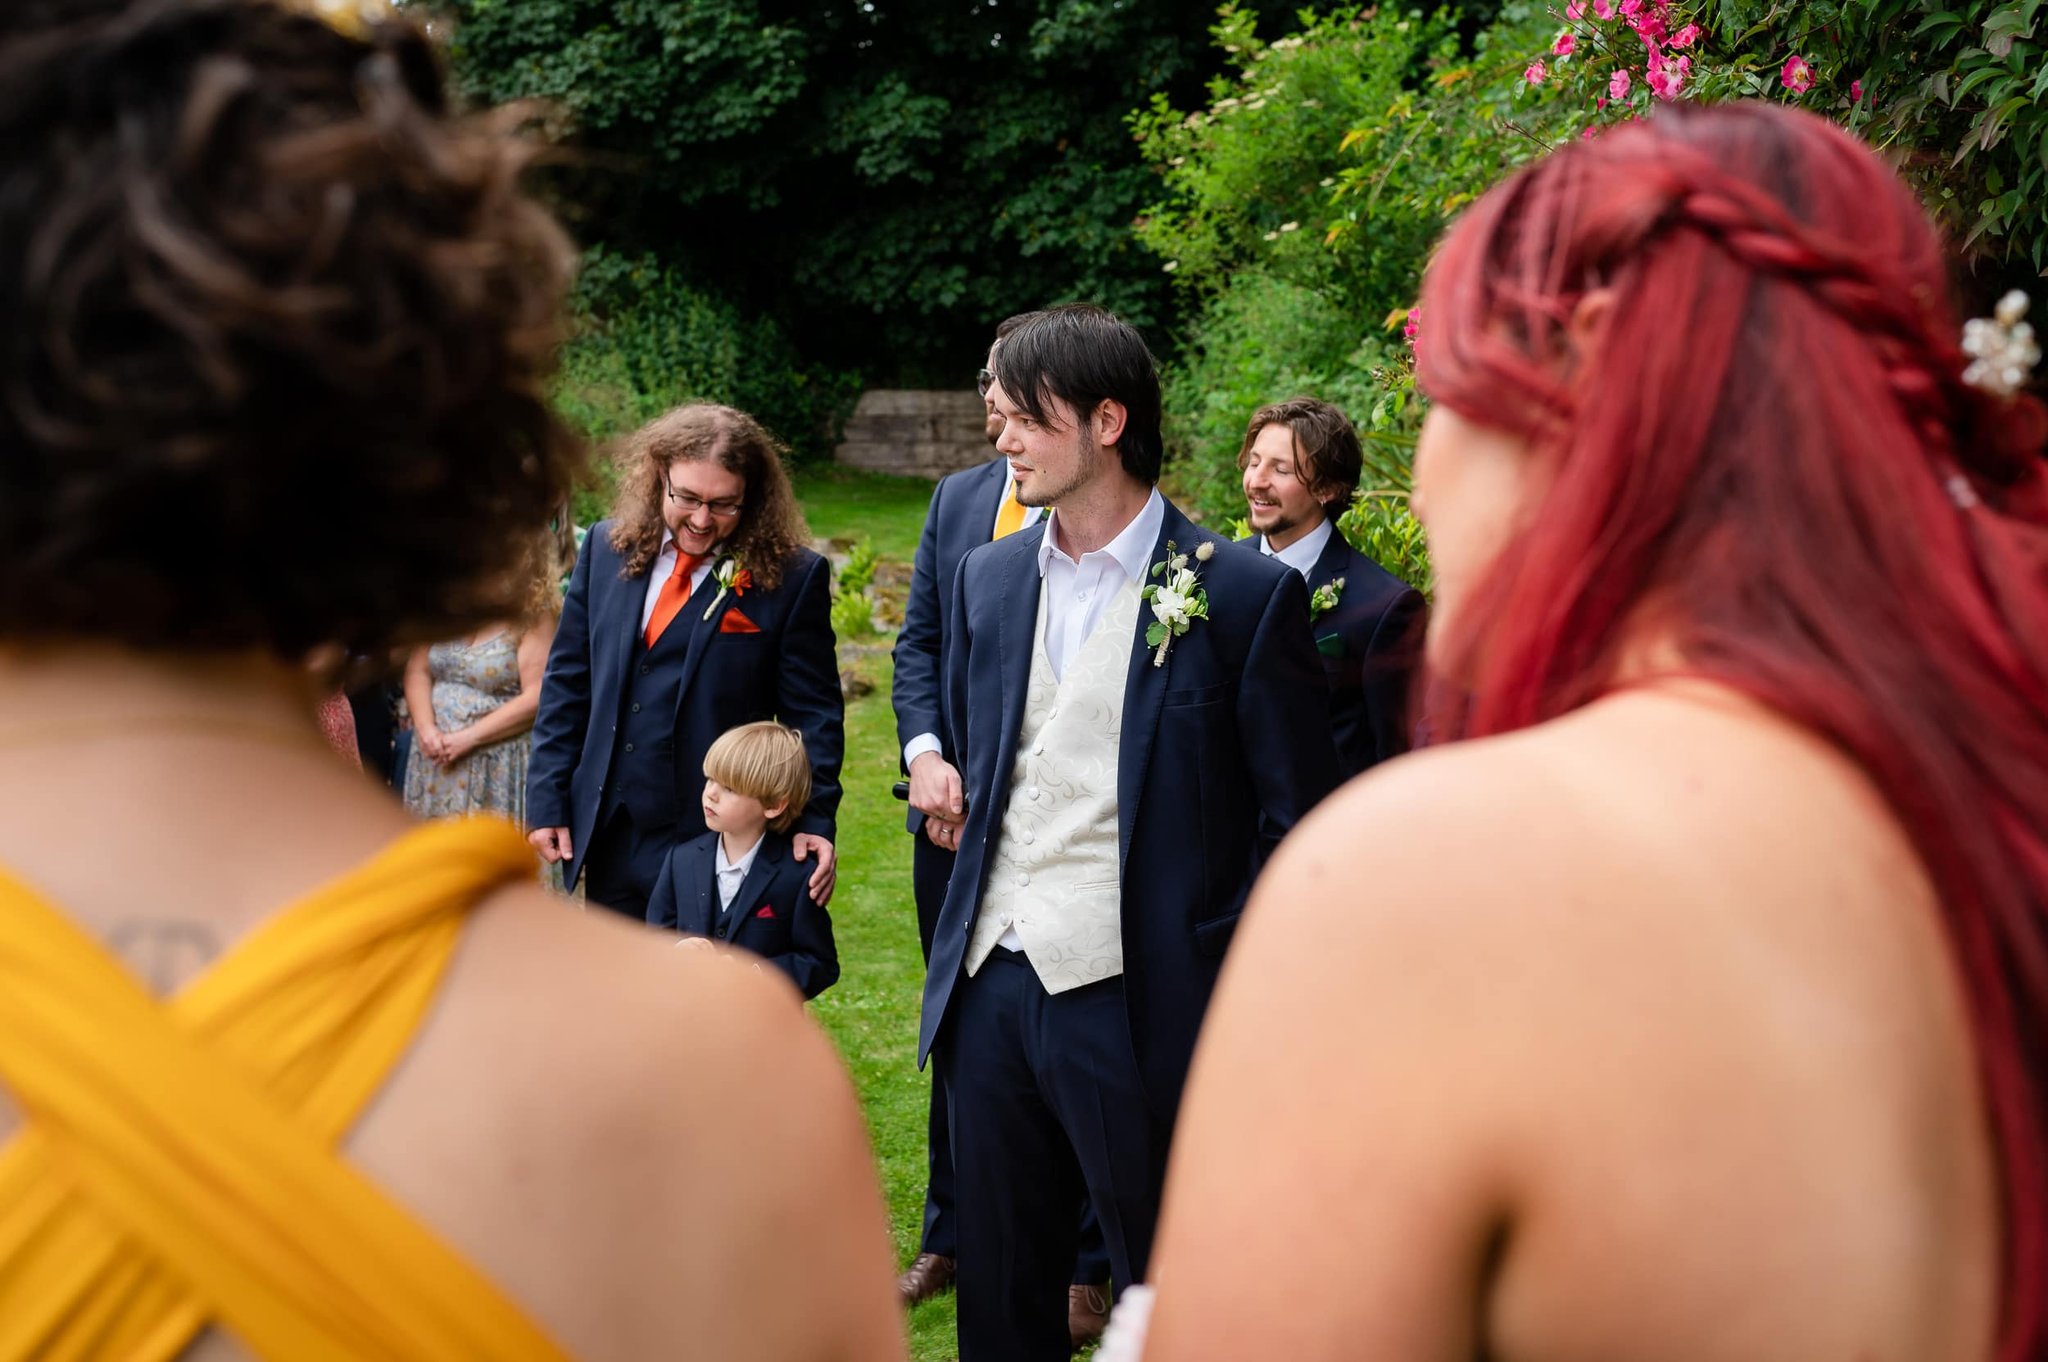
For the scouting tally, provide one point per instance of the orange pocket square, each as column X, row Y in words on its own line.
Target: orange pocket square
column 733, row 622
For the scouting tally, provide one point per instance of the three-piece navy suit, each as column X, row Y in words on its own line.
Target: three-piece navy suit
column 1368, row 642
column 620, row 736
column 772, row 914
column 1222, row 749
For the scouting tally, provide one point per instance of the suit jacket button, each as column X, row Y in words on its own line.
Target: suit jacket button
column 629, row 747
column 636, row 708
column 644, row 669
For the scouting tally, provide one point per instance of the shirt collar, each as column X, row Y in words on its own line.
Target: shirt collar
column 1132, row 547
column 746, row 860
column 1301, row 555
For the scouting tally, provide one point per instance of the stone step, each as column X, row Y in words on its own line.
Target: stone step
column 914, row 432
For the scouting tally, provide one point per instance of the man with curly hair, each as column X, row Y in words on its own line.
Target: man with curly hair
column 694, row 609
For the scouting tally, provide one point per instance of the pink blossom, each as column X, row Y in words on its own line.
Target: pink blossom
column 1619, row 84
column 1855, row 92
column 1599, row 101
column 1650, row 28
column 1667, row 78
column 1536, row 73
column 1565, row 44
column 1797, row 75
column 1575, row 11
column 1687, row 36
column 1413, row 328
column 1603, row 9
column 1586, row 133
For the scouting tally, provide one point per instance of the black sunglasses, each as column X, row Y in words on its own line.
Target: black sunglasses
column 983, row 381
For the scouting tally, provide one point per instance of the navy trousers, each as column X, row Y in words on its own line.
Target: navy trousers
column 1047, row 1113
column 623, row 863
column 930, row 868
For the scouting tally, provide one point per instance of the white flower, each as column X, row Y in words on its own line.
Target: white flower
column 1205, row 550
column 1169, row 606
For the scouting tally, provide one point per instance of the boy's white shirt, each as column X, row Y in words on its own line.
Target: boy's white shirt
column 732, row 873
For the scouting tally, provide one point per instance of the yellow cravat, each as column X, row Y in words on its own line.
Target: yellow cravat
column 1010, row 515
column 177, row 1165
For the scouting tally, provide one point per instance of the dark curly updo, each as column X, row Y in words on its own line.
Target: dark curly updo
column 278, row 331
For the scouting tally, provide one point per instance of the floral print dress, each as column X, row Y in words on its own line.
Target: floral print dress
column 470, row 680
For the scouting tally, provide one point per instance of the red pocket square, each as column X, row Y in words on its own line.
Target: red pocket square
column 733, row 622
column 764, row 911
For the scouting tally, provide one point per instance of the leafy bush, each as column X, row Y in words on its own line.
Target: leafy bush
column 647, row 340
column 853, row 608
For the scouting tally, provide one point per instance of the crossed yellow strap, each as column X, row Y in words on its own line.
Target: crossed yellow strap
column 177, row 1163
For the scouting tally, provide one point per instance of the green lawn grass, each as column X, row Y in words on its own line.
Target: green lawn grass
column 871, row 1013
column 848, row 503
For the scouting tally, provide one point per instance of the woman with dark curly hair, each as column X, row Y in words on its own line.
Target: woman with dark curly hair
column 696, row 608
column 284, row 1073
column 1695, row 1009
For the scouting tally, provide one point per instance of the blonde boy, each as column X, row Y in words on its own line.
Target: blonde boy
column 737, row 883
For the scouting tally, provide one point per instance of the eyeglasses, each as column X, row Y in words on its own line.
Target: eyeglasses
column 983, row 381
column 722, row 510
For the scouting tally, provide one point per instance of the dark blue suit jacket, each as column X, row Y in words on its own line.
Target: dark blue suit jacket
column 961, row 519
column 772, row 914
column 788, row 671
column 1369, row 642
column 1224, row 748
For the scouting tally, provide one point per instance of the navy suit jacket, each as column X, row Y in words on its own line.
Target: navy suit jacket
column 1369, row 642
column 772, row 914
column 789, row 670
column 1224, row 748
column 961, row 519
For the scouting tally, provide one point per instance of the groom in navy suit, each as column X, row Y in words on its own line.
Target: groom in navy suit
column 1128, row 765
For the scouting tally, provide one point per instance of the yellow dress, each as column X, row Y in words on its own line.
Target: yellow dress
column 177, row 1167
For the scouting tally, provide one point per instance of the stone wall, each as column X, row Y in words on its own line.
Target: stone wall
column 922, row 434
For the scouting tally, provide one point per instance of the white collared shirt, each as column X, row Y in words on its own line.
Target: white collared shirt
column 732, row 873
column 1077, row 590
column 665, row 568
column 1301, row 555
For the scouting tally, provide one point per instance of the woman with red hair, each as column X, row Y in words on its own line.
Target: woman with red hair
column 1695, row 1006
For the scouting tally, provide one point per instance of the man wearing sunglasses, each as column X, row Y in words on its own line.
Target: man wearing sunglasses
column 697, row 607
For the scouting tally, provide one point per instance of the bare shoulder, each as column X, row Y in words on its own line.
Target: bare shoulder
column 590, row 1100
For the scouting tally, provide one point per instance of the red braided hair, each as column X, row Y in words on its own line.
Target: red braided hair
column 1770, row 453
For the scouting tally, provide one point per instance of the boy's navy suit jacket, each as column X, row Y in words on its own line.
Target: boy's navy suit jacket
column 772, row 914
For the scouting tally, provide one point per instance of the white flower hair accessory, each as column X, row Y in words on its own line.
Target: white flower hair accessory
column 2001, row 347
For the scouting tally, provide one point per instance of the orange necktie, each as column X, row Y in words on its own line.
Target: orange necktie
column 1010, row 515
column 674, row 592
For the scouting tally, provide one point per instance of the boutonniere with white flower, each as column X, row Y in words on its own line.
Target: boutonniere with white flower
column 1324, row 599
column 730, row 577
column 1177, row 598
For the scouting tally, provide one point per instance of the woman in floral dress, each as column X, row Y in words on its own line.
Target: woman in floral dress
column 472, row 703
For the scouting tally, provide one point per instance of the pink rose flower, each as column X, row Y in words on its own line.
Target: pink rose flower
column 1565, row 44
column 1687, row 36
column 1603, row 9
column 1619, row 84
column 1797, row 75
column 1650, row 28
column 1413, row 329
column 1855, row 92
column 1536, row 73
column 1575, row 11
column 1666, row 78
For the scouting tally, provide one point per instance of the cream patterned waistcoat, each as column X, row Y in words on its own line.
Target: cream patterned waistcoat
column 1053, row 876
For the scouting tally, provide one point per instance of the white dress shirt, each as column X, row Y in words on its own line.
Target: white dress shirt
column 1077, row 590
column 1301, row 555
column 665, row 568
column 732, row 873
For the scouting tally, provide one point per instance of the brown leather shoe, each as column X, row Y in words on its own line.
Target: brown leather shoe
column 1087, row 1314
column 927, row 1275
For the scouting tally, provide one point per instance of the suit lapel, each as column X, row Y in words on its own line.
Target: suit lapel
column 697, row 888
column 1017, row 636
column 703, row 628
column 752, row 884
column 618, row 629
column 1144, row 692
column 1330, row 562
